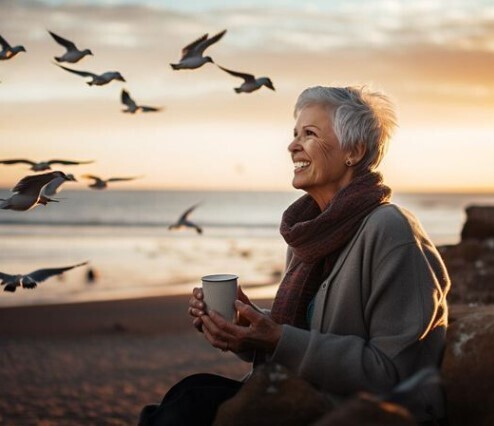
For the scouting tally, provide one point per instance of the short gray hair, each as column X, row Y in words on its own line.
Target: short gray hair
column 359, row 116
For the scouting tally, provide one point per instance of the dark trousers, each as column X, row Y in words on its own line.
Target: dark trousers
column 191, row 402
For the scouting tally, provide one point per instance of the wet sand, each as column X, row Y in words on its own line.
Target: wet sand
column 99, row 362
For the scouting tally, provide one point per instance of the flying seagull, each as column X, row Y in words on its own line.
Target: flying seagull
column 183, row 221
column 103, row 183
column 250, row 83
column 132, row 107
column 43, row 165
column 8, row 52
column 27, row 192
column 31, row 280
column 97, row 80
column 73, row 54
column 192, row 53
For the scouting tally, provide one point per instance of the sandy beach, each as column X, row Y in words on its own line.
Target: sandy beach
column 99, row 362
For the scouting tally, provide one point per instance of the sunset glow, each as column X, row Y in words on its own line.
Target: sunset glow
column 435, row 61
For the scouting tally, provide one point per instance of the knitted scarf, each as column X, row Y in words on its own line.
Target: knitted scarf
column 317, row 238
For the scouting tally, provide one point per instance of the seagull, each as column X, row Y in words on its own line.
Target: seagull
column 8, row 52
column 73, row 54
column 103, row 183
column 192, row 53
column 250, row 83
column 27, row 192
column 183, row 221
column 43, row 165
column 31, row 280
column 97, row 80
column 132, row 107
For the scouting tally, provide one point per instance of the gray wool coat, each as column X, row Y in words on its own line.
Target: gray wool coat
column 379, row 317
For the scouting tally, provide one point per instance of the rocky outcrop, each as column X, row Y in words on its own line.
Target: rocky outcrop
column 470, row 263
column 468, row 371
column 273, row 396
column 479, row 224
column 364, row 411
column 468, row 368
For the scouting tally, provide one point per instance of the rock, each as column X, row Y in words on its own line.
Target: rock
column 273, row 396
column 471, row 262
column 470, row 266
column 366, row 411
column 468, row 369
column 479, row 224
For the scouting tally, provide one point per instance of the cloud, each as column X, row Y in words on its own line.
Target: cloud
column 384, row 41
column 282, row 27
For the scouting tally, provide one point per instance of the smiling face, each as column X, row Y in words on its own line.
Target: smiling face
column 319, row 160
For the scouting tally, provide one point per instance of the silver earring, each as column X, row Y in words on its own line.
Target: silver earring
column 348, row 163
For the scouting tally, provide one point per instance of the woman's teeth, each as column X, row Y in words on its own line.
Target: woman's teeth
column 301, row 164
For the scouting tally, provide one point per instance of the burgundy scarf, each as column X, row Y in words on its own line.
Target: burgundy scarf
column 317, row 238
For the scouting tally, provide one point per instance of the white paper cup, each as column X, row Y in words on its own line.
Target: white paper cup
column 220, row 293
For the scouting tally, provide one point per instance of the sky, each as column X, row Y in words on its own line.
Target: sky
column 434, row 59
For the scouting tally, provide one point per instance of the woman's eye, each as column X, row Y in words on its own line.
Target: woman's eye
column 310, row 133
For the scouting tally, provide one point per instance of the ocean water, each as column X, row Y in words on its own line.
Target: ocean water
column 125, row 238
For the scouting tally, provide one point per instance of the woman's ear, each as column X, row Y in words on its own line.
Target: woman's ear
column 357, row 154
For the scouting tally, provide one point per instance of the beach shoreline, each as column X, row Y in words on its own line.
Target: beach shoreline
column 100, row 362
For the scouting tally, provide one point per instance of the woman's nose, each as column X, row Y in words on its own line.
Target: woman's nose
column 294, row 145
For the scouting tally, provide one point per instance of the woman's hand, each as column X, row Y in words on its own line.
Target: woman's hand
column 197, row 306
column 259, row 331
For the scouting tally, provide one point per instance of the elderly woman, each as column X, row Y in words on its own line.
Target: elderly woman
column 362, row 304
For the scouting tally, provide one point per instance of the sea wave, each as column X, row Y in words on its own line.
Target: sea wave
column 127, row 223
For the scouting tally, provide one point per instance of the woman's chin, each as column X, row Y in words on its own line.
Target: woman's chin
column 297, row 183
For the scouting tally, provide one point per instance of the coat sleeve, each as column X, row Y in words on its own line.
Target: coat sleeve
column 400, row 314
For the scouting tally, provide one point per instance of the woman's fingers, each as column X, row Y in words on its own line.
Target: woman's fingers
column 215, row 335
column 242, row 296
column 197, row 323
column 196, row 304
column 247, row 312
column 195, row 312
column 198, row 293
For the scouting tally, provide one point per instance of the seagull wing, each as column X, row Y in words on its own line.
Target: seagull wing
column 193, row 225
column 246, row 77
column 187, row 212
column 150, row 109
column 4, row 43
column 32, row 184
column 42, row 274
column 6, row 277
column 18, row 160
column 127, row 99
column 64, row 42
column 122, row 179
column 51, row 188
column 91, row 177
column 69, row 162
column 81, row 73
column 190, row 49
column 203, row 45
